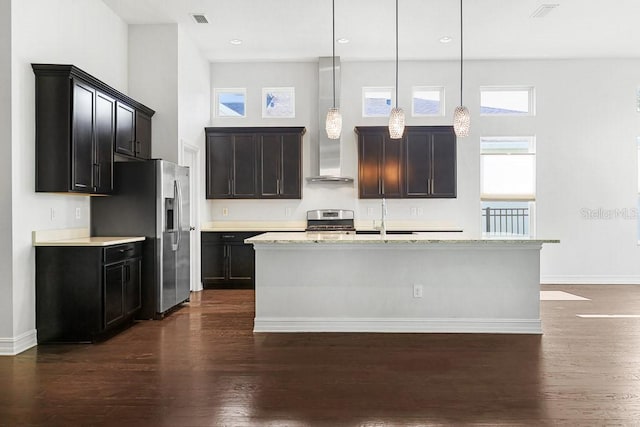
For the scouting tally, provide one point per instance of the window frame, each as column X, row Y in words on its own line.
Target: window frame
column 366, row 89
column 216, row 101
column 531, row 139
column 531, row 90
column 440, row 90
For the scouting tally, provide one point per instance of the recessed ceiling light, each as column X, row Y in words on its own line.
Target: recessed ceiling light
column 235, row 41
column 342, row 40
column 446, row 39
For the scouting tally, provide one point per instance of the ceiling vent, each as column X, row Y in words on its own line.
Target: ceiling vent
column 200, row 18
column 543, row 10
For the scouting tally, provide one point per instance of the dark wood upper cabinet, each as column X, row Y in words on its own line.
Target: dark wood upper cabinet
column 125, row 129
column 82, row 141
column 280, row 166
column 443, row 166
column 105, row 125
column 143, row 135
column 243, row 167
column 231, row 162
column 420, row 165
column 380, row 164
column 247, row 163
column 369, row 154
column 80, row 123
column 133, row 132
column 218, row 168
column 417, row 166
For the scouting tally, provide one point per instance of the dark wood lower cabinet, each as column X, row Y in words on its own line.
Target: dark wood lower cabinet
column 227, row 262
column 85, row 293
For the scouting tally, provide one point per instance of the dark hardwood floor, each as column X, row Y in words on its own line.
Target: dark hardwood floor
column 203, row 366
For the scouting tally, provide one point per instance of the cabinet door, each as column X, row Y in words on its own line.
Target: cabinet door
column 104, row 137
column 219, row 158
column 113, row 293
column 125, row 130
column 82, row 137
column 443, row 164
column 213, row 260
column 132, row 280
column 291, row 167
column 370, row 150
column 270, row 165
column 143, row 135
column 244, row 174
column 391, row 167
column 417, row 169
column 241, row 260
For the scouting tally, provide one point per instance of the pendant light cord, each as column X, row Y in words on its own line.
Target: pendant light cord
column 461, row 52
column 397, row 53
column 333, row 39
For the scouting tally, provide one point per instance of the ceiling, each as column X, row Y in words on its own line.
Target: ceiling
column 300, row 30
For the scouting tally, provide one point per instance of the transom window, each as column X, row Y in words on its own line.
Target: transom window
column 230, row 102
column 427, row 101
column 376, row 101
column 507, row 101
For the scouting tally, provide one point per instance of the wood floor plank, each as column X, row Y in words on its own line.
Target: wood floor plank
column 203, row 366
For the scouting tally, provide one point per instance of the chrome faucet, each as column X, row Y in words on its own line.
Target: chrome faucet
column 383, row 224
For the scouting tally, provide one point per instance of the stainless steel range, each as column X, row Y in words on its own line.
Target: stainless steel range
column 335, row 220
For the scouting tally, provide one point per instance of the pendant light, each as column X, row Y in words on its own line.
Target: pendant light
column 461, row 117
column 396, row 118
column 333, row 124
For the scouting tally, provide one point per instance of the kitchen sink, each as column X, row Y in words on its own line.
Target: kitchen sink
column 388, row 232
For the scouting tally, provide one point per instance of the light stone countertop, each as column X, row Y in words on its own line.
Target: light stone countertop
column 78, row 237
column 368, row 224
column 415, row 238
column 254, row 226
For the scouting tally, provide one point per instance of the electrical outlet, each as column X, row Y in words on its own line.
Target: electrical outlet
column 78, row 213
column 369, row 211
column 414, row 211
column 287, row 211
column 53, row 214
column 225, row 211
column 420, row 211
column 417, row 291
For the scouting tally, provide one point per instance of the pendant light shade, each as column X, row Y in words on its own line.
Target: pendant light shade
column 333, row 124
column 396, row 123
column 461, row 116
column 396, row 118
column 461, row 121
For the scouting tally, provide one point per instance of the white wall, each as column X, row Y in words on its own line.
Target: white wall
column 6, row 288
column 586, row 125
column 355, row 75
column 194, row 114
column 153, row 79
column 84, row 33
column 194, row 91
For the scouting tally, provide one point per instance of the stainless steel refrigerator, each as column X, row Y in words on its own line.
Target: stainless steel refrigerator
column 151, row 199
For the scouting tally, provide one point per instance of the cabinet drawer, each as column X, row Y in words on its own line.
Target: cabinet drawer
column 121, row 252
column 227, row 236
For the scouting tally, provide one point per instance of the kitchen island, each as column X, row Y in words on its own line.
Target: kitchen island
column 432, row 282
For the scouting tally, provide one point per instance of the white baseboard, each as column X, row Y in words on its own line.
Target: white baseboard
column 398, row 325
column 16, row 345
column 590, row 280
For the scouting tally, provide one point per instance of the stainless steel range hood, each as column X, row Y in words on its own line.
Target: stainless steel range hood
column 329, row 166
